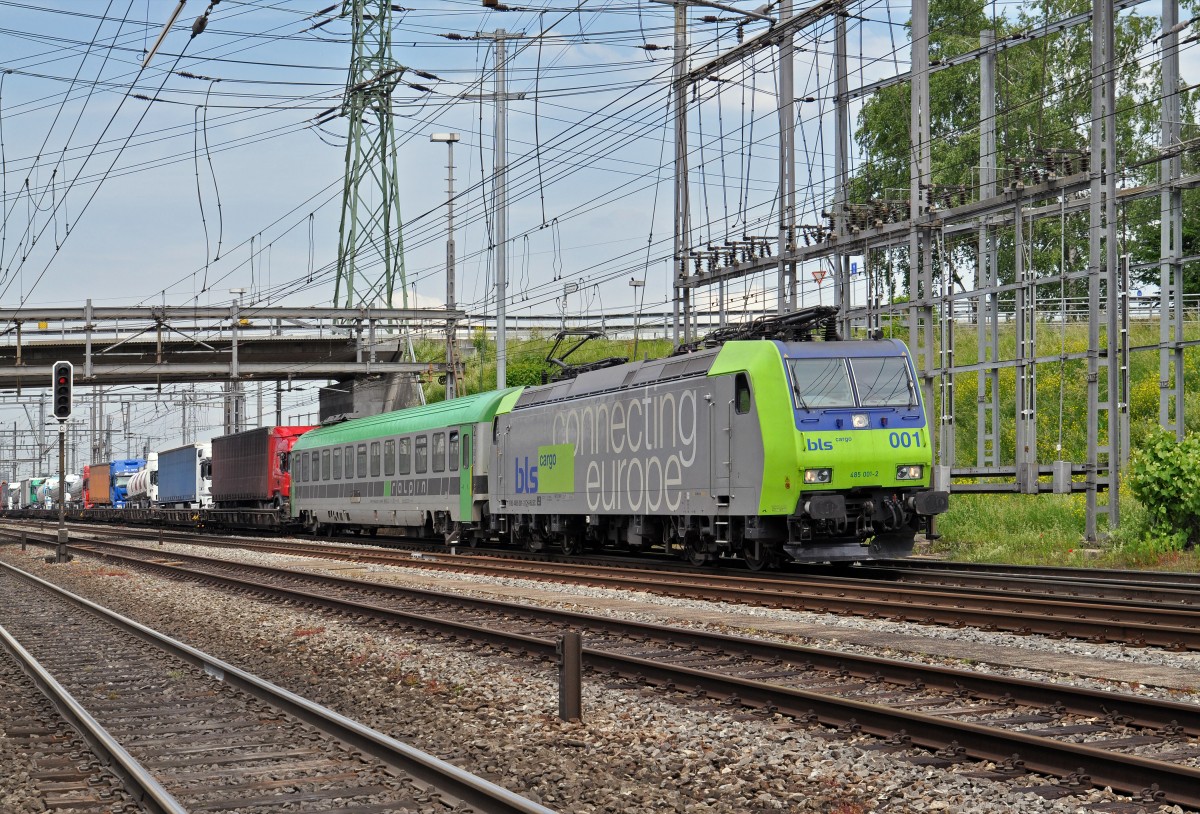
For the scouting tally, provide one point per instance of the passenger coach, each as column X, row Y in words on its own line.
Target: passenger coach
column 416, row 469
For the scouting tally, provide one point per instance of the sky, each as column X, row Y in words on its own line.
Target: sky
column 220, row 165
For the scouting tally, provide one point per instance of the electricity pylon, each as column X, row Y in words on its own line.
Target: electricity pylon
column 370, row 239
column 370, row 236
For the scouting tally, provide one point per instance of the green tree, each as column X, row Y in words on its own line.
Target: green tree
column 1042, row 125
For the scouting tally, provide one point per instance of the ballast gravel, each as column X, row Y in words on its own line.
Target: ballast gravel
column 636, row 751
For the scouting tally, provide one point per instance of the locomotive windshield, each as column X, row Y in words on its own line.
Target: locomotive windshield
column 883, row 382
column 824, row 383
column 819, row 383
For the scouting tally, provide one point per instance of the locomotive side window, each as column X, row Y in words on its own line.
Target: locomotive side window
column 405, row 456
column 439, row 451
column 741, row 394
column 337, row 463
column 422, row 453
column 819, row 383
column 389, row 458
column 325, row 464
column 453, row 452
column 362, row 461
column 883, row 382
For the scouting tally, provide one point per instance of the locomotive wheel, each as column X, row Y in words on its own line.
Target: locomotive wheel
column 571, row 543
column 693, row 548
column 760, row 558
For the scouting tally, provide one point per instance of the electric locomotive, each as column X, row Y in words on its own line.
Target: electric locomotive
column 759, row 444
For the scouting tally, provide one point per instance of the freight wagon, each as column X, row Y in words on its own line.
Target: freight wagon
column 250, row 481
column 98, row 485
column 143, row 486
column 185, row 477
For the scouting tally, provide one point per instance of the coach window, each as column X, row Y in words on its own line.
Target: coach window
column 422, row 454
column 453, row 451
column 303, row 467
column 362, row 460
column 389, row 458
column 316, row 465
column 337, row 464
column 348, row 462
column 439, row 451
column 466, row 448
column 324, row 464
column 741, row 398
column 405, row 456
column 374, row 459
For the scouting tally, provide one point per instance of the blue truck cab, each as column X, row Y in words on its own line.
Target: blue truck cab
column 120, row 472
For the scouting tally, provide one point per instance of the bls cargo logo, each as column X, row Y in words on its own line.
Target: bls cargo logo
column 818, row 445
column 526, row 482
column 551, row 472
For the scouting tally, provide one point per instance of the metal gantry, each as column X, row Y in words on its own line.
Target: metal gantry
column 1006, row 210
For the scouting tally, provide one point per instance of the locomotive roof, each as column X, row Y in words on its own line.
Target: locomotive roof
column 619, row 377
column 464, row 410
column 698, row 363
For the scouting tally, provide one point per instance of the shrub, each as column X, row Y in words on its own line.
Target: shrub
column 1165, row 476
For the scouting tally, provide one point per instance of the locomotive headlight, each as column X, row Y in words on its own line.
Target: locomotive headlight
column 860, row 421
column 818, row 475
column 909, row 472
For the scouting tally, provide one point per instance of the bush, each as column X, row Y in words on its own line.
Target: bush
column 1165, row 476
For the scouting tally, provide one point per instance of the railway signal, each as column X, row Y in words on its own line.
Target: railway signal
column 62, row 381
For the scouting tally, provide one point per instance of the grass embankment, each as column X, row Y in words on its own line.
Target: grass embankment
column 1027, row 529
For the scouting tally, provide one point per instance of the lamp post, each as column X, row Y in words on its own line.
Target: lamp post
column 449, row 139
column 639, row 287
column 234, row 405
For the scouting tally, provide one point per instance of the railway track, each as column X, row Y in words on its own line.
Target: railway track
column 187, row 732
column 1145, row 619
column 1145, row 747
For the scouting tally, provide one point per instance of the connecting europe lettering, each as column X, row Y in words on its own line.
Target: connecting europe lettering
column 632, row 453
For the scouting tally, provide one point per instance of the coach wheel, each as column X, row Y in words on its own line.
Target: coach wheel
column 277, row 503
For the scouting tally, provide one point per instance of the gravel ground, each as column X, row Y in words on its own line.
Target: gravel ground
column 636, row 750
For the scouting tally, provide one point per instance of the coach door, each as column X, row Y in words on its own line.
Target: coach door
column 466, row 473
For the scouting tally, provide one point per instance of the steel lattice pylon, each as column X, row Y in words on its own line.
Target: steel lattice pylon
column 370, row 235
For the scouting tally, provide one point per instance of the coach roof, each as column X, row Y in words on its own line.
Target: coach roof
column 464, row 410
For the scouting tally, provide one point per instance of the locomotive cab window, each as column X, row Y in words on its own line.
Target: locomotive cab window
column 362, row 460
column 741, row 394
column 422, row 454
column 389, row 458
column 453, row 453
column 405, row 456
column 820, row 383
column 337, row 464
column 883, row 382
column 439, row 451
